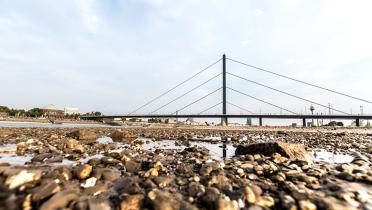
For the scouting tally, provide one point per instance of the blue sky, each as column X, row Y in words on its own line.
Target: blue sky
column 113, row 56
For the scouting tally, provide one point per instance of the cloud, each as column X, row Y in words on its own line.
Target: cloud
column 90, row 16
column 258, row 12
column 110, row 56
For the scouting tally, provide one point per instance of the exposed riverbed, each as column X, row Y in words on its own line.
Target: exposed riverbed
column 178, row 168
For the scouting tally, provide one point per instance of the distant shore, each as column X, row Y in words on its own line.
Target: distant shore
column 35, row 120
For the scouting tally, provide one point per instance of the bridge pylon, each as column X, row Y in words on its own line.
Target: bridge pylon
column 224, row 119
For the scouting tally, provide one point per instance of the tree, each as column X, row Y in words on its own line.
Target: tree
column 35, row 112
column 97, row 114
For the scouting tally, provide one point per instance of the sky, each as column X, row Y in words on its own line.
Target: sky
column 113, row 56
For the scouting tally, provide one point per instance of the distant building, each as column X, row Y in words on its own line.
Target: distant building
column 71, row 111
column 52, row 110
column 3, row 114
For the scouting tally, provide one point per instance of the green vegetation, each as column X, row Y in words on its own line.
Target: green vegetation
column 334, row 123
column 154, row 120
column 35, row 112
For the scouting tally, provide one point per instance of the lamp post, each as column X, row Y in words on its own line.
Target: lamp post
column 312, row 113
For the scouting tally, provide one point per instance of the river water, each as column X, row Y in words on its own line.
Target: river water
column 50, row 125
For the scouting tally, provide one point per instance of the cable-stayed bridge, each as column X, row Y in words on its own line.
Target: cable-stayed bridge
column 224, row 115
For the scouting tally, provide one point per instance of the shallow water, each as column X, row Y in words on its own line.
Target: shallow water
column 50, row 125
column 321, row 155
column 217, row 151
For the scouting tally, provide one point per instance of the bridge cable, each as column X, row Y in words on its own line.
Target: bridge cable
column 209, row 108
column 197, row 100
column 185, row 93
column 286, row 93
column 240, row 108
column 166, row 92
column 300, row 81
column 262, row 100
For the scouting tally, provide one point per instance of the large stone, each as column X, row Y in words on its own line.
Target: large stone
column 292, row 151
column 60, row 200
column 162, row 200
column 132, row 202
column 122, row 136
column 83, row 171
column 82, row 134
column 45, row 190
column 23, row 177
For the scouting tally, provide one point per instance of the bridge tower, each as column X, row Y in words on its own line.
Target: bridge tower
column 224, row 119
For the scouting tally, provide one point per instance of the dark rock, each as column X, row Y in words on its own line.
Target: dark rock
column 162, row 200
column 60, row 200
column 46, row 189
column 292, row 151
column 132, row 166
column 99, row 204
column 210, row 198
column 128, row 185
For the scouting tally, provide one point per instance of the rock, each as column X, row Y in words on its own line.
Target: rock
column 162, row 200
column 249, row 195
column 45, row 190
column 226, row 204
column 95, row 190
column 41, row 157
column 292, row 151
column 207, row 168
column 266, row 201
column 132, row 202
column 287, row 201
column 331, row 203
column 60, row 200
column 132, row 166
column 83, row 171
column 99, row 204
column 210, row 198
column 163, row 181
column 185, row 169
column 89, row 182
column 122, row 136
column 195, row 189
column 75, row 146
column 128, row 185
column 221, row 182
column 22, row 177
column 346, row 176
column 83, row 134
column 306, row 205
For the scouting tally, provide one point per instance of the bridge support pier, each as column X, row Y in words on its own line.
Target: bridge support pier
column 357, row 122
column 303, row 122
column 260, row 121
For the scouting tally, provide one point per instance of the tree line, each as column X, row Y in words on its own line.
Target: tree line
column 37, row 112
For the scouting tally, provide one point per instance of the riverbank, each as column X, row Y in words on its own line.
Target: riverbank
column 36, row 120
column 183, row 168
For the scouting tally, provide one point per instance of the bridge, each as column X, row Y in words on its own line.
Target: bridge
column 225, row 116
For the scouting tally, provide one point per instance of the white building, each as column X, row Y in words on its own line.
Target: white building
column 70, row 110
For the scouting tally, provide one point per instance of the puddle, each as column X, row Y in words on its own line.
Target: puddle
column 105, row 140
column 321, row 155
column 14, row 159
column 217, row 150
column 8, row 148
